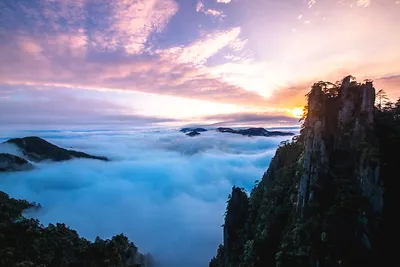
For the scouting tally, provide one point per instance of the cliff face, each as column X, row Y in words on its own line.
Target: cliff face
column 339, row 139
column 235, row 220
column 322, row 202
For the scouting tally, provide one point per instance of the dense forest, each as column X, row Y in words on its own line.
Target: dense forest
column 26, row 243
column 326, row 198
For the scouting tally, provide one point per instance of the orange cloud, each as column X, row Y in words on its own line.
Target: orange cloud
column 65, row 66
column 30, row 46
column 391, row 85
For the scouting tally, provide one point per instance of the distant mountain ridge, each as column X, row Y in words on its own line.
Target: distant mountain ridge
column 38, row 149
column 189, row 129
column 253, row 132
column 193, row 133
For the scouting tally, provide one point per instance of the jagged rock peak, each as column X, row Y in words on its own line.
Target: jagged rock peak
column 235, row 219
column 339, row 118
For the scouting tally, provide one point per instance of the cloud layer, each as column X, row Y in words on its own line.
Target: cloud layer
column 165, row 190
column 28, row 105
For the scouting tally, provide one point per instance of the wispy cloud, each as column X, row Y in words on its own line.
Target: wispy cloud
column 208, row 11
column 199, row 6
column 214, row 12
column 391, row 84
column 163, row 48
column 256, row 119
column 238, row 44
column 113, row 54
column 199, row 51
column 134, row 21
column 224, row 1
column 363, row 3
column 171, row 73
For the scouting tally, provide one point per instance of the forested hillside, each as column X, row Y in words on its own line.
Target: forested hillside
column 26, row 243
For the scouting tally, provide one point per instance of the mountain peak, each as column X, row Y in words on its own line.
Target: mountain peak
column 38, row 149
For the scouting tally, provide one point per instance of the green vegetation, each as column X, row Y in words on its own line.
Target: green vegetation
column 26, row 243
column 347, row 163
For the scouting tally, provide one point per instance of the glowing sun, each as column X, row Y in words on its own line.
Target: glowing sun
column 296, row 112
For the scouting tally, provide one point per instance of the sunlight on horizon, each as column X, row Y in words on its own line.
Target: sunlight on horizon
column 57, row 66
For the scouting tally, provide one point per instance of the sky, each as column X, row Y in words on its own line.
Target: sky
column 136, row 62
column 164, row 190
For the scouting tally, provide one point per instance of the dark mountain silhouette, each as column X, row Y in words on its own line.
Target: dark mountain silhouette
column 38, row 149
column 10, row 162
column 185, row 130
column 193, row 133
column 253, row 132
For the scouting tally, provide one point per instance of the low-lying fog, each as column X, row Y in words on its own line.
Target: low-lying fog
column 166, row 191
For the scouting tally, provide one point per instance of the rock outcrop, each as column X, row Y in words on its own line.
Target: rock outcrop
column 338, row 134
column 37, row 149
column 327, row 196
column 10, row 162
column 235, row 220
column 253, row 132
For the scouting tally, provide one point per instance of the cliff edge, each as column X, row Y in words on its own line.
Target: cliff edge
column 326, row 196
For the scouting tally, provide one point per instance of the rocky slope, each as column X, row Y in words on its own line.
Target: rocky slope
column 38, row 149
column 10, row 162
column 326, row 198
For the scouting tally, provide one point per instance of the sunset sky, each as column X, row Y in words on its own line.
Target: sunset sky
column 134, row 62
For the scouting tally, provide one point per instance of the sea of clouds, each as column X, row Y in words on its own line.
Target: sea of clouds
column 166, row 191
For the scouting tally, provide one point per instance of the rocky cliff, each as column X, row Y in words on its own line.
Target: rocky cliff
column 339, row 141
column 325, row 199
